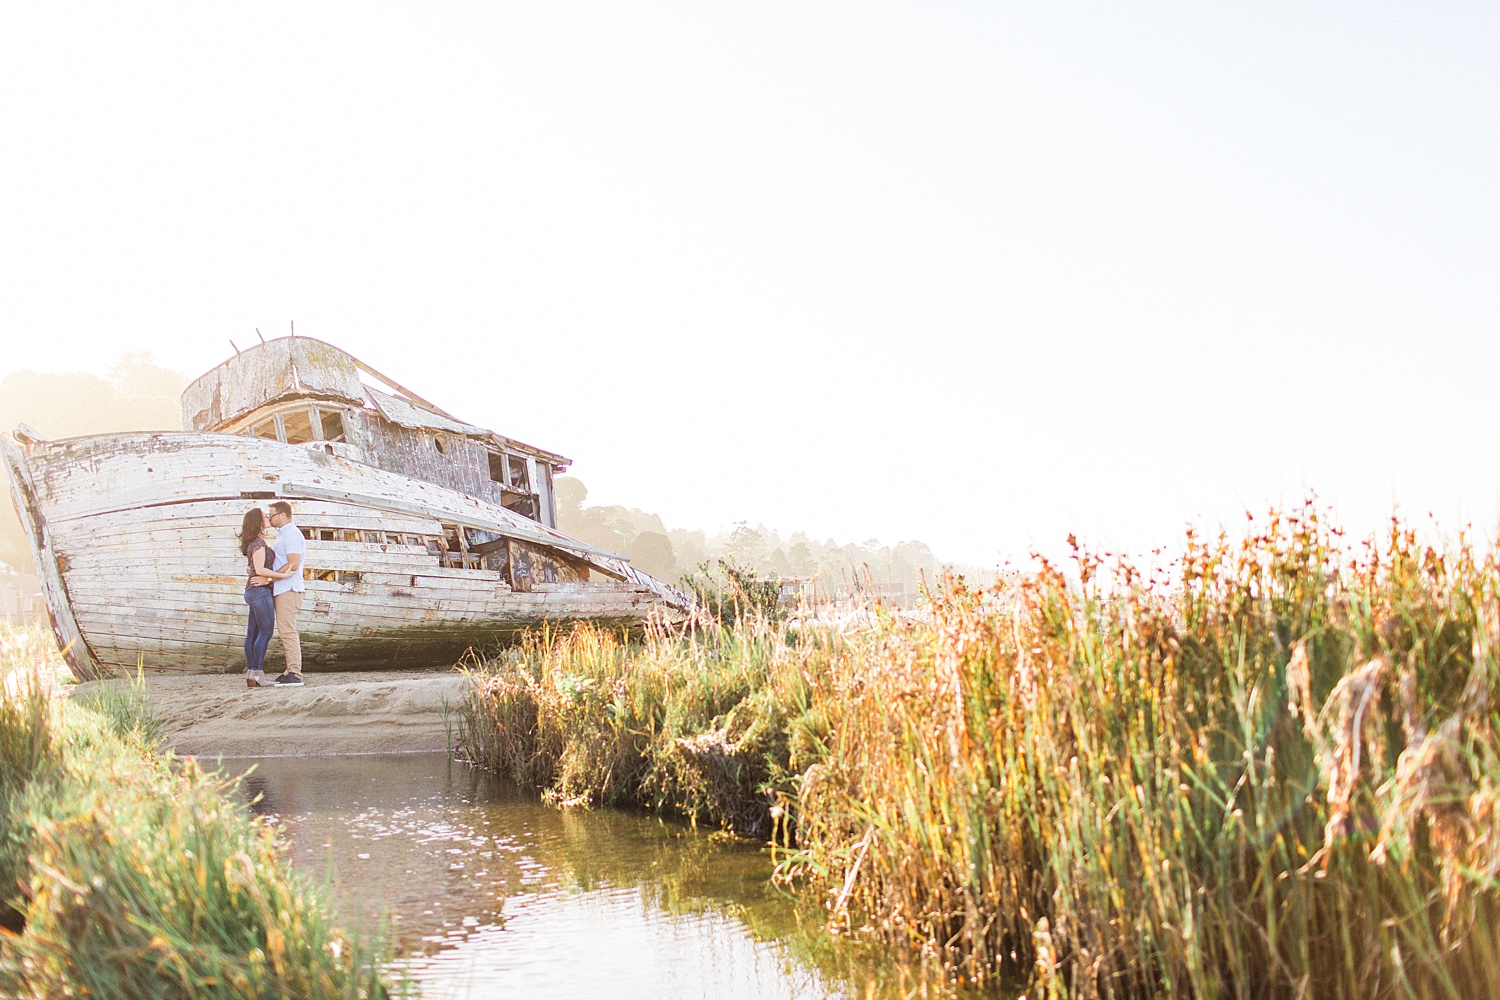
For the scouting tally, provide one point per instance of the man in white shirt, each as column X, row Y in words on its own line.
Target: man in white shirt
column 290, row 548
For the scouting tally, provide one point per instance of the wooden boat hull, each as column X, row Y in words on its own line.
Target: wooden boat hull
column 134, row 536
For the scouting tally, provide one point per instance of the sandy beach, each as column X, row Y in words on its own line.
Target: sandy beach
column 215, row 715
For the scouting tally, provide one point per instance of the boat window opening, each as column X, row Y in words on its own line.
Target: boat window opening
column 391, row 538
column 440, row 444
column 331, row 575
column 518, row 477
column 433, row 548
column 331, row 423
column 298, row 426
column 266, row 429
column 374, row 537
column 487, row 550
column 461, row 547
column 415, row 540
column 497, row 468
column 523, row 506
column 325, row 534
column 347, row 535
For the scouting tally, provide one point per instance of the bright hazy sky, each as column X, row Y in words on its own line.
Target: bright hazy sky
column 979, row 274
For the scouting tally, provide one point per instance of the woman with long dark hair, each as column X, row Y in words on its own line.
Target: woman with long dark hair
column 258, row 595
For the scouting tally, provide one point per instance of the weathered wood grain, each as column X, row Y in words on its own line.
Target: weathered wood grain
column 141, row 536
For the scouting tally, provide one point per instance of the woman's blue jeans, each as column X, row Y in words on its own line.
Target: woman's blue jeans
column 262, row 626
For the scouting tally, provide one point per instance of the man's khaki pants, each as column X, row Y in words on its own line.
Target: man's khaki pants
column 287, row 606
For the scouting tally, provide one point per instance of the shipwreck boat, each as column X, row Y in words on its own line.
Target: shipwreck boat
column 426, row 536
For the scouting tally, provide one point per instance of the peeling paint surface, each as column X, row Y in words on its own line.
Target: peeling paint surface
column 324, row 370
column 141, row 535
column 427, row 536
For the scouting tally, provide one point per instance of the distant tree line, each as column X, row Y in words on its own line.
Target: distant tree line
column 828, row 567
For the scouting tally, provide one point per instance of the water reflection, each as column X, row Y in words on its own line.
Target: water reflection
column 491, row 893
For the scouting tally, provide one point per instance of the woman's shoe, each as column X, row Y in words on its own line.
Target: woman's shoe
column 257, row 679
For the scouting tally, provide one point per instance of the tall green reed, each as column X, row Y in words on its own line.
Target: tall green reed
column 700, row 727
column 29, row 752
column 126, row 703
column 1268, row 770
column 142, row 876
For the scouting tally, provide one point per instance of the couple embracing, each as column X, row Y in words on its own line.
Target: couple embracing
column 273, row 590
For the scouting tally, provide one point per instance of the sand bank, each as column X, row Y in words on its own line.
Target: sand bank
column 375, row 712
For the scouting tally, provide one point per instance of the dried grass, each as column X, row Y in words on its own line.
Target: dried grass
column 1274, row 772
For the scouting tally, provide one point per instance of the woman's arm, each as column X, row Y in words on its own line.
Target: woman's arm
column 258, row 560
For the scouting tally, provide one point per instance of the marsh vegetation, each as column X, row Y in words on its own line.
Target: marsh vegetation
column 129, row 874
column 1270, row 769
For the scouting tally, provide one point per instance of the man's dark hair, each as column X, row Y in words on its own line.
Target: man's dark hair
column 281, row 507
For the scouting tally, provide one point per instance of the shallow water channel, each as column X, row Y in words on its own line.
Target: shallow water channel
column 491, row 893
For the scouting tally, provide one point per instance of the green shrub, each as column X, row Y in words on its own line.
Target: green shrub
column 729, row 593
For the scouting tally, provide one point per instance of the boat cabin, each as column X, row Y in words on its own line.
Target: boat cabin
column 298, row 390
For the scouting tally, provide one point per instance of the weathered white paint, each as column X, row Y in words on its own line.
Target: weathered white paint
column 23, row 491
column 268, row 372
column 136, row 537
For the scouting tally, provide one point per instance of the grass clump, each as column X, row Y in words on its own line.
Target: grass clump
column 1271, row 770
column 126, row 705
column 139, row 876
column 694, row 727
